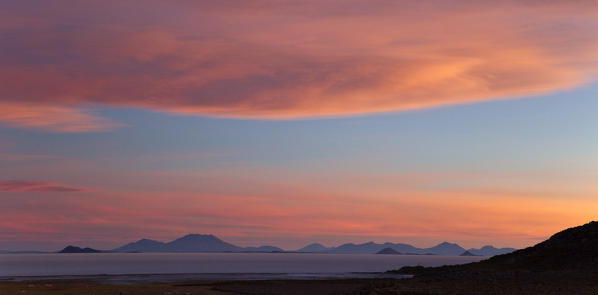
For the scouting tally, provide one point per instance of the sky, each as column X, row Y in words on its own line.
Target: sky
column 292, row 122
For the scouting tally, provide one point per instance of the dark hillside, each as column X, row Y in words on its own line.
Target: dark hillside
column 566, row 263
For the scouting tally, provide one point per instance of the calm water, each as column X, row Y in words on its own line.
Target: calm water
column 214, row 265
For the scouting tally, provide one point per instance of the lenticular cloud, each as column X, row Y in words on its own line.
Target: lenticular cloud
column 276, row 60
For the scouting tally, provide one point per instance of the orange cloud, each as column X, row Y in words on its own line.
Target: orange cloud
column 464, row 217
column 273, row 59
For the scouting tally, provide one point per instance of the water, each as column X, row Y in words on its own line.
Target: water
column 174, row 266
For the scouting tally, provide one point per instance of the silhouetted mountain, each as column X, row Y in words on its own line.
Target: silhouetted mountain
column 388, row 251
column 143, row 245
column 366, row 248
column 490, row 251
column 74, row 249
column 406, row 248
column 262, row 249
column 200, row 243
column 210, row 243
column 467, row 253
column 371, row 247
column 566, row 263
column 314, row 248
column 446, row 248
column 575, row 248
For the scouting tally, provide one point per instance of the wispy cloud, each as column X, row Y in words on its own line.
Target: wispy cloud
column 37, row 186
column 53, row 118
column 269, row 59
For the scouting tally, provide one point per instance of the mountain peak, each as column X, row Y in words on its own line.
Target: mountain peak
column 75, row 249
column 200, row 243
column 446, row 248
column 314, row 247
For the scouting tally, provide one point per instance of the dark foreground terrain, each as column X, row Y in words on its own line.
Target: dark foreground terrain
column 567, row 263
column 512, row 283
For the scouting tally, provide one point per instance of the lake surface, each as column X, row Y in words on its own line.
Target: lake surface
column 213, row 265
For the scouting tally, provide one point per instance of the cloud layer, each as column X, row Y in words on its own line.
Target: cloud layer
column 274, row 59
column 37, row 186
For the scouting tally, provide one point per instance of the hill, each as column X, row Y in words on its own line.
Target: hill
column 200, row 243
column 143, row 245
column 74, row 249
column 572, row 249
column 566, row 263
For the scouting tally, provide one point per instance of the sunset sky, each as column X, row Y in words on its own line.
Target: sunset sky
column 291, row 122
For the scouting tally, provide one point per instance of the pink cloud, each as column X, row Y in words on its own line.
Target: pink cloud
column 54, row 118
column 116, row 217
column 280, row 60
column 37, row 186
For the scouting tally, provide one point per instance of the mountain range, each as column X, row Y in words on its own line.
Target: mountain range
column 443, row 248
column 210, row 243
column 191, row 243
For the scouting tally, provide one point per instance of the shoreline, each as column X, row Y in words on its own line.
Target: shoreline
column 182, row 277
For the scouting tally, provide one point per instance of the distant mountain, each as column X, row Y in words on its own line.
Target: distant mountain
column 467, row 253
column 74, row 249
column 366, row 248
column 210, row 243
column 191, row 243
column 262, row 249
column 143, row 245
column 407, row 249
column 490, row 251
column 200, row 243
column 446, row 248
column 371, row 247
column 388, row 251
column 314, row 248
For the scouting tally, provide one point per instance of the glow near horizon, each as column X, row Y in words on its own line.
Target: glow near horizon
column 86, row 161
